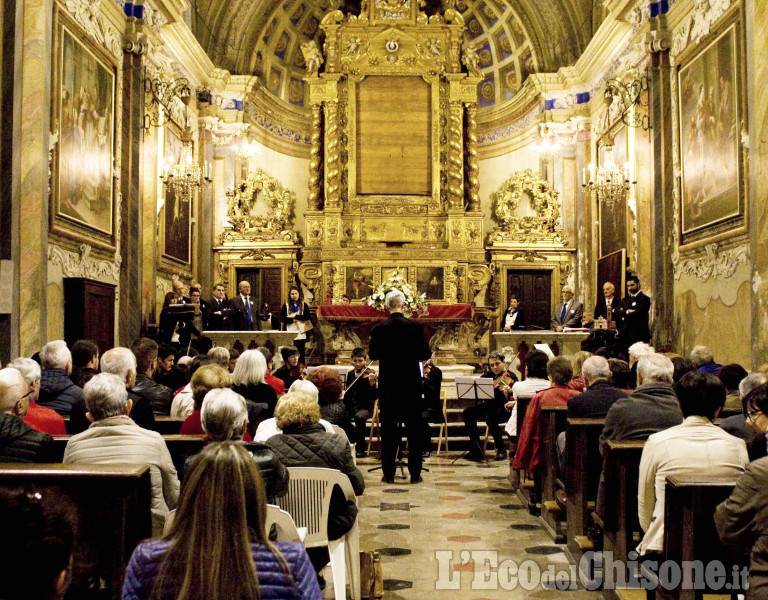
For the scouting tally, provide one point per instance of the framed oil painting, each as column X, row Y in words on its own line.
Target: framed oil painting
column 359, row 282
column 84, row 114
column 709, row 118
column 613, row 217
column 177, row 210
column 429, row 281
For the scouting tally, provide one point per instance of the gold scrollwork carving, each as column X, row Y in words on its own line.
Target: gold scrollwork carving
column 455, row 157
column 332, row 153
column 314, row 232
column 314, row 199
column 527, row 210
column 479, row 278
column 311, row 275
column 473, row 169
column 260, row 208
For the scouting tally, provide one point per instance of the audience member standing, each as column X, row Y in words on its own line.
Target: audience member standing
column 295, row 316
column 244, row 308
column 633, row 315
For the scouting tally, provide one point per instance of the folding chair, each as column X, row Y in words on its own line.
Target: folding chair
column 443, row 432
column 375, row 426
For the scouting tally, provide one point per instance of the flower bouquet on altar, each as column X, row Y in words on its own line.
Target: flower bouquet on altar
column 415, row 303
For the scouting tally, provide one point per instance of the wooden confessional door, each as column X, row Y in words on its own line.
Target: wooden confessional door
column 534, row 292
column 266, row 286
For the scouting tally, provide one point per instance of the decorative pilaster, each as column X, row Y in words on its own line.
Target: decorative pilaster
column 332, row 175
column 473, row 169
column 455, row 157
column 314, row 201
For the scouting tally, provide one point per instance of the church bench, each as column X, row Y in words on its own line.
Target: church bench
column 525, row 492
column 553, row 421
column 690, row 535
column 583, row 465
column 112, row 503
column 621, row 464
column 167, row 425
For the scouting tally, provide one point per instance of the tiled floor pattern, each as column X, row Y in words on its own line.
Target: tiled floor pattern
column 458, row 508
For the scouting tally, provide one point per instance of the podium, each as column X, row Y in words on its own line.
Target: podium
column 563, row 343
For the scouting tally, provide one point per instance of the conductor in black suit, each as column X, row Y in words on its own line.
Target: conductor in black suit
column 246, row 310
column 633, row 314
column 399, row 346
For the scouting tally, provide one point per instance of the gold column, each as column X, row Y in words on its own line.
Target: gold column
column 473, row 169
column 332, row 179
column 455, row 157
column 315, row 160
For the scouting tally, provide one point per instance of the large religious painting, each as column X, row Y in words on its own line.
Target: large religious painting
column 429, row 281
column 612, row 268
column 176, row 218
column 359, row 282
column 84, row 109
column 613, row 216
column 709, row 134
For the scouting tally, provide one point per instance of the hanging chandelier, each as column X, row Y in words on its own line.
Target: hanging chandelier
column 610, row 183
column 185, row 176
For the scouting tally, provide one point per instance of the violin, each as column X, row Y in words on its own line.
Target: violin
column 298, row 372
column 504, row 381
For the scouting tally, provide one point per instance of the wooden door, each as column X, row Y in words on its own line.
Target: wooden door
column 89, row 312
column 266, row 286
column 534, row 292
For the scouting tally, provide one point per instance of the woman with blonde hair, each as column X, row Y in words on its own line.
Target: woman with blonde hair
column 248, row 381
column 217, row 548
column 578, row 382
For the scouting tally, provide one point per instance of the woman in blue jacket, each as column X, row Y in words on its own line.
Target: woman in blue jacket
column 217, row 548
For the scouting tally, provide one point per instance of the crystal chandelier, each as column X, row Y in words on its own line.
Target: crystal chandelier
column 548, row 144
column 185, row 176
column 610, row 183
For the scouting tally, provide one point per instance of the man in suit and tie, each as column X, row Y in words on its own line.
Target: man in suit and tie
column 569, row 312
column 399, row 345
column 632, row 315
column 608, row 305
column 245, row 308
column 178, row 293
column 219, row 314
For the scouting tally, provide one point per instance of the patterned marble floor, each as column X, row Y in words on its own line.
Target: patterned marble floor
column 458, row 509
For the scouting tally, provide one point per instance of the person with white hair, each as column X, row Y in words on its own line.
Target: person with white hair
column 704, row 360
column 569, row 312
column 599, row 395
column 737, row 424
column 399, row 345
column 57, row 390
column 652, row 406
column 634, row 352
column 114, row 438
column 248, row 381
column 38, row 417
column 220, row 355
column 18, row 441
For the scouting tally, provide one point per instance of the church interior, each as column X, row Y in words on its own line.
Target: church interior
column 483, row 151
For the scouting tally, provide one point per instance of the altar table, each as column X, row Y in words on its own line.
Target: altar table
column 568, row 343
column 251, row 339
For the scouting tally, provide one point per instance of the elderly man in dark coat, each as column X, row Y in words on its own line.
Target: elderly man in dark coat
column 399, row 345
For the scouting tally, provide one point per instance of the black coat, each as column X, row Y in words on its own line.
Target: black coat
column 240, row 315
column 633, row 327
column 430, row 390
column 594, row 402
column 20, row 443
column 399, row 344
column 58, row 392
column 360, row 396
column 141, row 413
column 519, row 321
column 286, row 320
column 260, row 393
column 601, row 310
column 219, row 317
column 158, row 396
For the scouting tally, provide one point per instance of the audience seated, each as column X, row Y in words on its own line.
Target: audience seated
column 183, row 403
column 332, row 409
column 159, row 396
column 208, row 377
column 305, row 443
column 578, row 383
column 38, row 417
column 57, row 391
column 217, row 547
column 682, row 366
column 224, row 417
column 696, row 446
column 731, row 376
column 36, row 544
column 651, row 407
column 360, row 395
column 18, row 441
column 220, row 356
column 289, row 372
column 166, row 360
column 600, row 394
column 268, row 427
column 234, row 354
column 85, row 361
column 536, row 379
column 248, row 381
column 120, row 362
column 636, row 351
column 704, row 360
column 737, row 424
column 114, row 438
column 277, row 384
column 620, row 374
column 741, row 520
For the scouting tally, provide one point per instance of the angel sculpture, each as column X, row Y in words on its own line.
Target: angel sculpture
column 312, row 57
column 471, row 60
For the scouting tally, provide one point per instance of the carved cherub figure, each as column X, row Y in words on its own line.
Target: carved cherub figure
column 313, row 58
column 470, row 59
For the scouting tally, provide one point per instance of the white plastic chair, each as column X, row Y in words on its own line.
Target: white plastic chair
column 308, row 501
column 283, row 522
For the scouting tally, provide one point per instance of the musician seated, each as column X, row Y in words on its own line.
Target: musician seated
column 360, row 395
column 513, row 316
column 432, row 409
column 290, row 371
column 491, row 411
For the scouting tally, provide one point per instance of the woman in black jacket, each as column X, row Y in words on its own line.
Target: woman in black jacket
column 294, row 315
column 332, row 408
column 224, row 416
column 248, row 381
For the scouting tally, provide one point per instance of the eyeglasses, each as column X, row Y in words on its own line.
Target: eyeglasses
column 752, row 414
column 27, row 394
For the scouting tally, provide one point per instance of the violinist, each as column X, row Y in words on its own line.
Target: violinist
column 291, row 369
column 432, row 409
column 360, row 395
column 490, row 411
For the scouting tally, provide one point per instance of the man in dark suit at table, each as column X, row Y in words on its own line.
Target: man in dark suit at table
column 569, row 312
column 633, row 315
column 220, row 314
column 399, row 346
column 245, row 308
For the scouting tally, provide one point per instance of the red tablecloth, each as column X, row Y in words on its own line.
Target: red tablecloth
column 362, row 312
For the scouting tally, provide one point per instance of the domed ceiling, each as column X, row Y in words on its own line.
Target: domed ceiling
column 514, row 38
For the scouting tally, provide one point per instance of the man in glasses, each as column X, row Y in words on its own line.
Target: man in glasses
column 18, row 441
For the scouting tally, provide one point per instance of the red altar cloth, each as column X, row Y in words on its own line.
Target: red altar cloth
column 363, row 312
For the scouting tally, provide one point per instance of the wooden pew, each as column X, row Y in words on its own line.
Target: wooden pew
column 582, row 474
column 165, row 425
column 621, row 464
column 690, row 533
column 526, row 485
column 113, row 511
column 180, row 446
column 553, row 421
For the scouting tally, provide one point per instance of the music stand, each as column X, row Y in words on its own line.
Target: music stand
column 479, row 389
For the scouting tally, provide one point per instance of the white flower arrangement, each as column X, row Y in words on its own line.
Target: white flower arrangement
column 415, row 303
